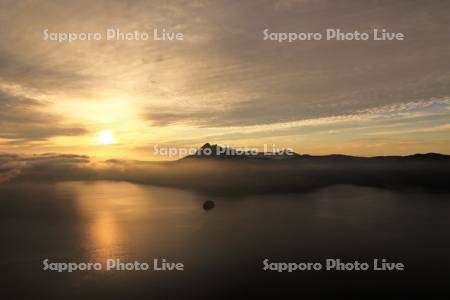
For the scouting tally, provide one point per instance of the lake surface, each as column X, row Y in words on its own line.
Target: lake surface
column 222, row 249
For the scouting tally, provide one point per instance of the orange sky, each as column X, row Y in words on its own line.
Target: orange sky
column 223, row 83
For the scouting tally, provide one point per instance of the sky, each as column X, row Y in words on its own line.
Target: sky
column 223, row 83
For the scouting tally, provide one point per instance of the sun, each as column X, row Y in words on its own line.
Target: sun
column 106, row 137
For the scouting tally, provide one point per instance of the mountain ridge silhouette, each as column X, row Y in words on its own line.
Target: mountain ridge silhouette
column 215, row 151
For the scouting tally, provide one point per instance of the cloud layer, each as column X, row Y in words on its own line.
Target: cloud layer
column 222, row 75
column 23, row 118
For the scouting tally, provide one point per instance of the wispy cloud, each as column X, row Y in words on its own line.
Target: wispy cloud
column 25, row 119
column 223, row 80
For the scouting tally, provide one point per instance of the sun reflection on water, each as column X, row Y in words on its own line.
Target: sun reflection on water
column 105, row 211
column 104, row 236
column 120, row 220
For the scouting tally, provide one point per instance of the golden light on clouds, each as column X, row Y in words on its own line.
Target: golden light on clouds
column 222, row 83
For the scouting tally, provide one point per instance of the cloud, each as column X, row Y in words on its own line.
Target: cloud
column 38, row 73
column 223, row 77
column 244, row 81
column 224, row 73
column 25, row 119
column 43, row 167
column 402, row 119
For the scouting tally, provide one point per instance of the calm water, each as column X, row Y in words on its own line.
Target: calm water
column 222, row 249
